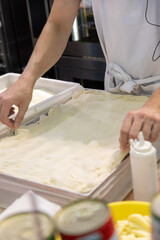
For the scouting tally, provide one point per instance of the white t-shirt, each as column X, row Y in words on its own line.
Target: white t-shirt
column 129, row 34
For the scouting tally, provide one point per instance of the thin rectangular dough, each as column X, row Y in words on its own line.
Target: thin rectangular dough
column 73, row 148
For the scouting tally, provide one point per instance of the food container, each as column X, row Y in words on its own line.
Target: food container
column 132, row 219
column 62, row 92
column 32, row 225
column 121, row 210
column 85, row 219
column 114, row 187
column 144, row 168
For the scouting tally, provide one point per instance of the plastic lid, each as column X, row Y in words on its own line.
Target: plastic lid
column 141, row 146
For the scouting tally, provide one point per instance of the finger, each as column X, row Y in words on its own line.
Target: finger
column 125, row 129
column 155, row 132
column 136, row 127
column 20, row 116
column 5, row 109
column 147, row 129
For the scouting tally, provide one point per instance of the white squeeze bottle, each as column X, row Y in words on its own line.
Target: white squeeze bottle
column 144, row 169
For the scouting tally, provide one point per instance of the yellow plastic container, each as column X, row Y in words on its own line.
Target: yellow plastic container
column 121, row 210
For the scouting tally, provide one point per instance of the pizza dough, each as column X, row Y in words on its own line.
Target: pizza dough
column 73, row 148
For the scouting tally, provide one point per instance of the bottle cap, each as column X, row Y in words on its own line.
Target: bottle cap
column 141, row 145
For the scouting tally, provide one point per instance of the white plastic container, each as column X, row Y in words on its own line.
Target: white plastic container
column 114, row 187
column 144, row 169
column 62, row 92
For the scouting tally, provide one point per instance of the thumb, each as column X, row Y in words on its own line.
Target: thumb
column 20, row 116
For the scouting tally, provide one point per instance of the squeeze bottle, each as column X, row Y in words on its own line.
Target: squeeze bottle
column 143, row 168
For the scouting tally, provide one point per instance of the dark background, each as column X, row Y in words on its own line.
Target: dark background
column 21, row 22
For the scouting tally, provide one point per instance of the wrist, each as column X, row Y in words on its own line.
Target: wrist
column 27, row 79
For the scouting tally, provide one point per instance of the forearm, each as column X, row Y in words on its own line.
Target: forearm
column 51, row 42
column 46, row 53
column 48, row 49
column 154, row 99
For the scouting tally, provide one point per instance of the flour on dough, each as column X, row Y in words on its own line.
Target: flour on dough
column 73, row 148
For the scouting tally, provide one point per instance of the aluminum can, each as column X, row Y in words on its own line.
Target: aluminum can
column 27, row 226
column 86, row 220
column 155, row 215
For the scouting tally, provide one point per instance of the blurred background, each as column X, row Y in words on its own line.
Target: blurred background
column 21, row 22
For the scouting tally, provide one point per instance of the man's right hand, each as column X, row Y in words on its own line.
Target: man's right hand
column 18, row 94
column 48, row 50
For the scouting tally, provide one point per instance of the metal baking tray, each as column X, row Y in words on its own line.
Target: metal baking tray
column 114, row 187
column 62, row 91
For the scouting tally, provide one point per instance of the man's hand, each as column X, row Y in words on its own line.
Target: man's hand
column 146, row 119
column 47, row 52
column 18, row 94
